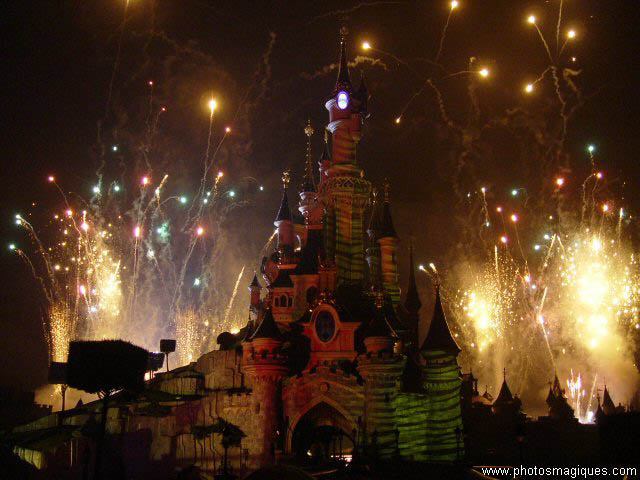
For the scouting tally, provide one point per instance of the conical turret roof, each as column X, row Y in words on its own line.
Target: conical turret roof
column 284, row 213
column 505, row 395
column 557, row 389
column 267, row 328
column 550, row 396
column 255, row 282
column 439, row 336
column 343, row 82
column 607, row 403
column 386, row 228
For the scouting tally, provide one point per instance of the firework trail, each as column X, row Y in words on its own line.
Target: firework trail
column 444, row 33
column 347, row 11
column 189, row 340
column 233, row 297
column 62, row 324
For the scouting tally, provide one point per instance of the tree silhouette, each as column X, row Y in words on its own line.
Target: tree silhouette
column 105, row 367
column 231, row 434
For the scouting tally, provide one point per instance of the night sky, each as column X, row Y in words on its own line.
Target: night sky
column 264, row 61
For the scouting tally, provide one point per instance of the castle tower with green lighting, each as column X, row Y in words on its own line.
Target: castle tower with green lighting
column 343, row 190
column 442, row 382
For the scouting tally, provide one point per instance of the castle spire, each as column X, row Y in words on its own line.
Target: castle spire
column 608, row 407
column 254, row 291
column 388, row 241
column 284, row 224
column 284, row 212
column 505, row 395
column 255, row 283
column 308, row 183
column 343, row 82
column 551, row 398
column 439, row 337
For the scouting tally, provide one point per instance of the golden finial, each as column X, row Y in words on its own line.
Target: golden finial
column 326, row 136
column 387, row 188
column 285, row 179
column 308, row 130
column 374, row 194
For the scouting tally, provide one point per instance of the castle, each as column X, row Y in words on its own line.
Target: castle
column 329, row 364
column 331, row 346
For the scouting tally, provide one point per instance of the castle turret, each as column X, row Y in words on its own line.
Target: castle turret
column 559, row 408
column 550, row 397
column 310, row 208
column 442, row 383
column 380, row 369
column 282, row 296
column 245, row 339
column 284, row 224
column 413, row 304
column 265, row 364
column 254, row 290
column 342, row 189
column 388, row 246
column 506, row 403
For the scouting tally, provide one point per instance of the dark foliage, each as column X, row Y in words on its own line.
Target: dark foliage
column 155, row 361
column 167, row 345
column 106, row 366
column 227, row 341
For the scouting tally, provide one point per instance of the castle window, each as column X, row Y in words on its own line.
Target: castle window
column 283, row 301
column 290, row 301
column 325, row 326
column 276, row 302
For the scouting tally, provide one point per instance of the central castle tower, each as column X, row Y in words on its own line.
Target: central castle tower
column 343, row 191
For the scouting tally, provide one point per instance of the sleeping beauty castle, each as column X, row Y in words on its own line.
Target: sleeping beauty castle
column 329, row 364
column 329, row 343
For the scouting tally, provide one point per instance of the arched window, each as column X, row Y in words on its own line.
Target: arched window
column 276, row 302
column 283, row 301
column 290, row 301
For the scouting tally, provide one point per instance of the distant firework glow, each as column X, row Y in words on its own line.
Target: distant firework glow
column 540, row 274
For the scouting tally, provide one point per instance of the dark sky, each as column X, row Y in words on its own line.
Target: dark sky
column 58, row 61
